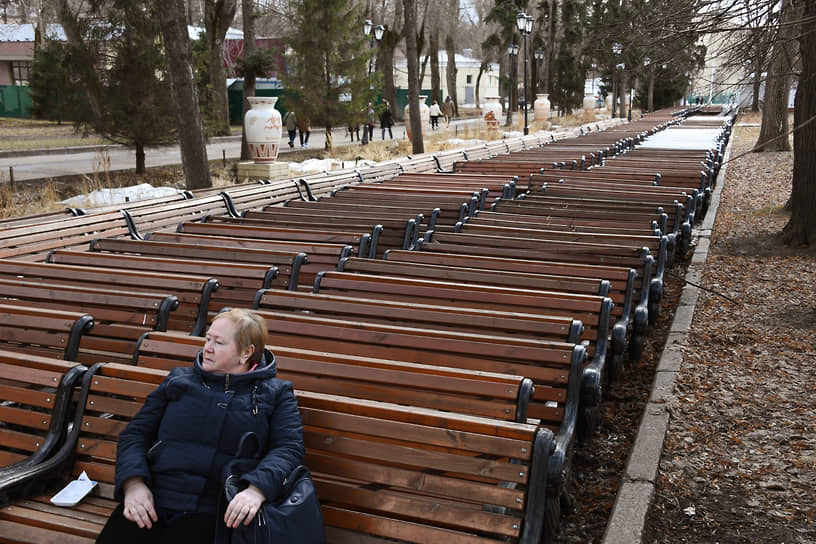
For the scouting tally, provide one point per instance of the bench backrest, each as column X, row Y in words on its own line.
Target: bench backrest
column 485, row 394
column 41, row 331
column 192, row 292
column 238, row 282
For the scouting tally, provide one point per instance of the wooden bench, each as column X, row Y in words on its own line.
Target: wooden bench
column 593, row 312
column 382, row 471
column 120, row 316
column 288, row 263
column 486, row 394
column 166, row 216
column 618, row 283
column 33, row 242
column 319, row 256
column 393, row 232
column 37, row 404
column 238, row 282
column 359, row 243
column 41, row 331
column 630, row 256
column 193, row 292
column 111, row 396
column 462, row 319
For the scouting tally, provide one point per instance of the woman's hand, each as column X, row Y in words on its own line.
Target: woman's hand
column 243, row 507
column 139, row 503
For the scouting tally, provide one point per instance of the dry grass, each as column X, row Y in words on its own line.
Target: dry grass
column 21, row 134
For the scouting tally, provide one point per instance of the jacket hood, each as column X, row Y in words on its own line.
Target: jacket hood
column 267, row 368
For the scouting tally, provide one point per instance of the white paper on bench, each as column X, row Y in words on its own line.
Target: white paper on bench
column 74, row 492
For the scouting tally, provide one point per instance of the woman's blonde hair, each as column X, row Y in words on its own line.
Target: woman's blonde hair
column 250, row 330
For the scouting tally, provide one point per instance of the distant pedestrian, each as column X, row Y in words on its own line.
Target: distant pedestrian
column 436, row 113
column 291, row 122
column 371, row 121
column 448, row 109
column 304, row 127
column 353, row 128
column 386, row 120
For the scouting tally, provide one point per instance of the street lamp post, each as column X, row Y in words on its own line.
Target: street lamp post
column 617, row 49
column 524, row 23
column 368, row 26
column 512, row 51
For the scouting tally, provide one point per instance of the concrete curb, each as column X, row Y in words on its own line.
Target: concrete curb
column 634, row 498
column 9, row 153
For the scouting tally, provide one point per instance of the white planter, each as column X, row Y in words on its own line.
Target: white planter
column 424, row 115
column 492, row 112
column 263, row 127
column 541, row 108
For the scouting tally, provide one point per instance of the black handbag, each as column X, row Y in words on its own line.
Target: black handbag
column 291, row 517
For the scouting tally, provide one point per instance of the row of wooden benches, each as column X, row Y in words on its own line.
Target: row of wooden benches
column 365, row 480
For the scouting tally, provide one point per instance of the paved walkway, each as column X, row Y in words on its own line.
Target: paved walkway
column 49, row 163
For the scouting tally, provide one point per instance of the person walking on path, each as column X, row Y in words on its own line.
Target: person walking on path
column 291, row 122
column 370, row 122
column 386, row 122
column 447, row 109
column 304, row 127
column 435, row 114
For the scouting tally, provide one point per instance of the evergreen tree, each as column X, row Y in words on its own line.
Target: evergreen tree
column 114, row 63
column 137, row 105
column 54, row 95
column 327, row 71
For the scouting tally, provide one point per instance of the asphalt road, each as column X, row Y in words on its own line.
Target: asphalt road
column 61, row 162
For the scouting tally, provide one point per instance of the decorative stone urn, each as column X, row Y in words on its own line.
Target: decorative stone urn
column 263, row 127
column 492, row 112
column 424, row 115
column 541, row 108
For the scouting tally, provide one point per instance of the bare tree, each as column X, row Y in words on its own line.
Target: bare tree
column 218, row 16
column 417, row 145
column 188, row 115
column 773, row 134
column 436, row 89
column 801, row 227
column 248, row 17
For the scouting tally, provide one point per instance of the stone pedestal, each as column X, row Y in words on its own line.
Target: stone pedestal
column 253, row 171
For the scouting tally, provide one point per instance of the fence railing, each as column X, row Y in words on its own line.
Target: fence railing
column 15, row 101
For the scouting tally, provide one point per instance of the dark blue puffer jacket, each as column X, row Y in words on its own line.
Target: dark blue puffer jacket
column 190, row 426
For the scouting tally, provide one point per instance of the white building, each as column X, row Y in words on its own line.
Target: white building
column 467, row 71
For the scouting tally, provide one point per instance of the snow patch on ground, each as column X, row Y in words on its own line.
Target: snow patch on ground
column 107, row 197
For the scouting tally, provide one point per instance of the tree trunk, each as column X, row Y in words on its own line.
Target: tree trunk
column 479, row 83
column 182, row 84
column 450, row 72
column 89, row 77
column 247, row 12
column 140, row 158
column 218, row 16
column 386, row 56
column 757, row 85
column 801, row 228
column 623, row 84
column 436, row 90
column 417, row 144
column 329, row 145
column 773, row 134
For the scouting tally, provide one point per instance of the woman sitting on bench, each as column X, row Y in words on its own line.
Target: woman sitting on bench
column 171, row 455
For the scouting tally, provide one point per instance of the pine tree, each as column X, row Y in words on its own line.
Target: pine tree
column 115, row 62
column 327, row 75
